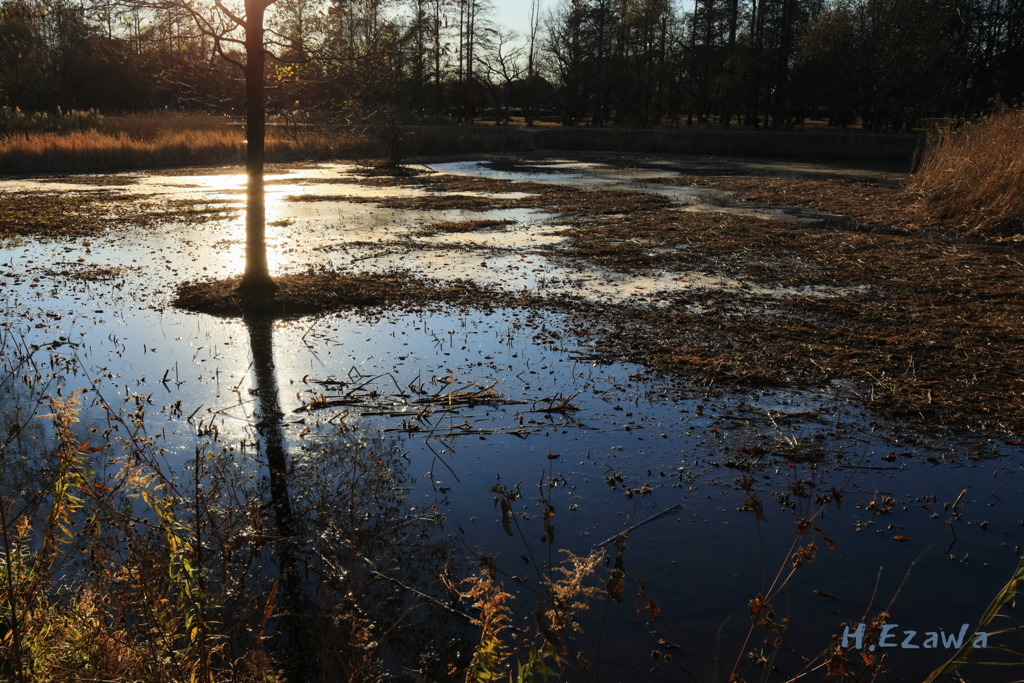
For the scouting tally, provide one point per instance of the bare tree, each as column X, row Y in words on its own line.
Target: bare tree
column 532, row 58
column 571, row 49
column 502, row 65
column 472, row 18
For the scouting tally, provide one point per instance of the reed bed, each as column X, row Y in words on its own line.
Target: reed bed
column 973, row 176
column 95, row 150
column 13, row 120
column 152, row 126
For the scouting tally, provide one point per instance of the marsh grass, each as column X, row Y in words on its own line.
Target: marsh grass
column 99, row 151
column 113, row 570
column 973, row 176
column 565, row 587
column 87, row 141
column 165, row 140
column 14, row 120
column 1005, row 598
column 101, row 575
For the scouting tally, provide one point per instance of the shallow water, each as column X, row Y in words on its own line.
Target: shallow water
column 608, row 445
column 344, row 233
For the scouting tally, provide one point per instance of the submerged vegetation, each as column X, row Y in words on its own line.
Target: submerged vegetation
column 839, row 291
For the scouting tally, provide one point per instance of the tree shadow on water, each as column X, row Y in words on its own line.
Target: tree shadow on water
column 271, row 446
column 358, row 568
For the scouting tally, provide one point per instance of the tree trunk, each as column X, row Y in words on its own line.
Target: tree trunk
column 257, row 273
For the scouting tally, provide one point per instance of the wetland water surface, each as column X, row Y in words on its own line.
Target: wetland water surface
column 921, row 526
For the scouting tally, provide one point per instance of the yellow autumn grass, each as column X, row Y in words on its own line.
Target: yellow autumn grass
column 146, row 143
column 974, row 175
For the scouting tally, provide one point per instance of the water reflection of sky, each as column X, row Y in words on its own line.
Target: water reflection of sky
column 703, row 562
column 346, row 234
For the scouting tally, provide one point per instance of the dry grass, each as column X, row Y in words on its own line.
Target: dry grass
column 172, row 140
column 974, row 176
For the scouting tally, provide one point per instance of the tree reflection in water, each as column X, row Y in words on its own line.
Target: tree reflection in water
column 319, row 564
column 356, row 562
column 271, row 447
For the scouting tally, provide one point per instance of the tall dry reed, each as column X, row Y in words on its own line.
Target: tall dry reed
column 152, row 125
column 974, row 175
column 167, row 141
column 14, row 120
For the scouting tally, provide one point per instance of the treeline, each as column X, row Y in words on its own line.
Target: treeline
column 887, row 64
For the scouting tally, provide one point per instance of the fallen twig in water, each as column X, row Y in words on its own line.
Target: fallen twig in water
column 661, row 514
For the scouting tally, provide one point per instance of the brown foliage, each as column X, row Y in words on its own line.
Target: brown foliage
column 973, row 176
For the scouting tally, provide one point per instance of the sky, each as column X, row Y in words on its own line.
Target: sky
column 515, row 14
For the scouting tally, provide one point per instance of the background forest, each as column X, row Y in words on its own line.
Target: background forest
column 883, row 64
